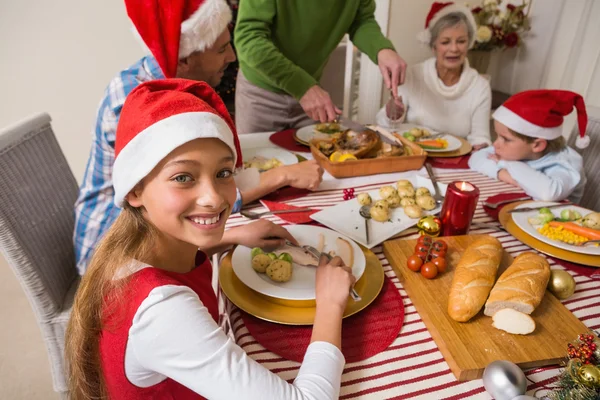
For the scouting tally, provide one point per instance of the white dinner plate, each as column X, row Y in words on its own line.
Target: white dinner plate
column 282, row 155
column 345, row 218
column 520, row 219
column 307, row 133
column 302, row 284
column 453, row 142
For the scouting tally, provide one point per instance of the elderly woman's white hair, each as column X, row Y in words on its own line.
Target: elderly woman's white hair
column 446, row 15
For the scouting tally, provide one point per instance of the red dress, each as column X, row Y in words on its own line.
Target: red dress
column 113, row 339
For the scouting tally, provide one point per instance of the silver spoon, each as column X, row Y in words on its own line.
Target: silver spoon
column 365, row 212
column 252, row 215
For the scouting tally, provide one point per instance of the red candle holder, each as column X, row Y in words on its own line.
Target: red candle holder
column 458, row 208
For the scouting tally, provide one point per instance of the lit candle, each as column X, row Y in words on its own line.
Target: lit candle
column 458, row 209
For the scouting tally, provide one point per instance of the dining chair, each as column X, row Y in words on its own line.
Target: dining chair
column 591, row 161
column 38, row 191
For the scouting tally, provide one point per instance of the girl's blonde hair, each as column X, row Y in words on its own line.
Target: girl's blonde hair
column 130, row 238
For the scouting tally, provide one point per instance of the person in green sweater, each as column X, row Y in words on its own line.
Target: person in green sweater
column 283, row 46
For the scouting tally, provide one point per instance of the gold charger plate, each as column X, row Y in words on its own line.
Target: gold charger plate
column 464, row 149
column 507, row 222
column 290, row 312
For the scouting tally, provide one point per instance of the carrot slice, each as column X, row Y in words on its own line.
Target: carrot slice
column 432, row 144
column 578, row 229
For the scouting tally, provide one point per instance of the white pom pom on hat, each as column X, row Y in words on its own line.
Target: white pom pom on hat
column 540, row 114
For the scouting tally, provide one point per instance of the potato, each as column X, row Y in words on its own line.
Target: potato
column 380, row 213
column 416, row 132
column 413, row 211
column 422, row 191
column 364, row 199
column 406, row 191
column 387, row 191
column 403, row 182
column 280, row 271
column 407, row 201
column 381, row 203
column 393, row 201
column 426, row 202
column 260, row 262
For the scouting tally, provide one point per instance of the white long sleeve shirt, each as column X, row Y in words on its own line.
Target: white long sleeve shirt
column 173, row 335
column 462, row 109
column 556, row 176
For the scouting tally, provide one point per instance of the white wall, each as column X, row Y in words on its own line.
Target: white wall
column 58, row 56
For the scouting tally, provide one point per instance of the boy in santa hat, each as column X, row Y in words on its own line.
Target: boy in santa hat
column 530, row 151
column 188, row 39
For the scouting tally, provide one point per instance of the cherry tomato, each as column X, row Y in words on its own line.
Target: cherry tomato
column 437, row 253
column 422, row 255
column 427, row 240
column 421, row 247
column 414, row 263
column 440, row 263
column 440, row 245
column 429, row 270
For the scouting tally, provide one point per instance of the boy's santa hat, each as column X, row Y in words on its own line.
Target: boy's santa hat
column 174, row 29
column 540, row 114
column 159, row 116
column 438, row 11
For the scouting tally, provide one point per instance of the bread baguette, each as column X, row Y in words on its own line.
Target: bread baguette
column 522, row 286
column 474, row 277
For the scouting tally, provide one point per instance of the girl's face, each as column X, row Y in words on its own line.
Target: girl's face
column 509, row 147
column 188, row 196
column 451, row 47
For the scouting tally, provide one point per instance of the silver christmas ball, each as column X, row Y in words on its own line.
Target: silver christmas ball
column 525, row 397
column 504, row 380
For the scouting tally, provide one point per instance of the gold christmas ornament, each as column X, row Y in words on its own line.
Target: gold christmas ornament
column 561, row 284
column 589, row 375
column 429, row 225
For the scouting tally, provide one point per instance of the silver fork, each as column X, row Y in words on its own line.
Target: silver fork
column 355, row 296
column 437, row 196
column 588, row 242
column 251, row 215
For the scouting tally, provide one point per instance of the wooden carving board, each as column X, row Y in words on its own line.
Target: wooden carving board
column 469, row 347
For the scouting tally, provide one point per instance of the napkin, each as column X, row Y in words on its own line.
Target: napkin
column 286, row 140
column 461, row 162
column 293, row 218
column 493, row 212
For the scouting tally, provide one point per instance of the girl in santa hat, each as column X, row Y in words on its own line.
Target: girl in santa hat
column 444, row 93
column 144, row 321
column 530, row 151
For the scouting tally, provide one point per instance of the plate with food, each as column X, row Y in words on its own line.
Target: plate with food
column 392, row 208
column 564, row 226
column 327, row 130
column 429, row 139
column 289, row 272
column 265, row 159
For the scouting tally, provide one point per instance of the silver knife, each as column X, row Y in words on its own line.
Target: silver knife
column 524, row 209
column 356, row 127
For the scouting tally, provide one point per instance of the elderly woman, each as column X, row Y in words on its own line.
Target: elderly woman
column 443, row 93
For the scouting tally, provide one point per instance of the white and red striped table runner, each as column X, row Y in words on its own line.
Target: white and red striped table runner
column 413, row 367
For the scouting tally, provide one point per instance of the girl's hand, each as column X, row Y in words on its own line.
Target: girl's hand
column 493, row 157
column 333, row 283
column 262, row 233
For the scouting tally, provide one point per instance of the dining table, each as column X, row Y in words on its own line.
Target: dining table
column 412, row 367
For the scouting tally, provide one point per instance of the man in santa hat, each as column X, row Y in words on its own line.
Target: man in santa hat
column 283, row 47
column 530, row 151
column 187, row 39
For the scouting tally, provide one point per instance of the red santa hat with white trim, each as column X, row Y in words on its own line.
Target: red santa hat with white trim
column 174, row 29
column 540, row 114
column 438, row 11
column 159, row 116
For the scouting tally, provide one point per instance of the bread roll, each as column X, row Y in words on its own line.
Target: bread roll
column 474, row 277
column 522, row 286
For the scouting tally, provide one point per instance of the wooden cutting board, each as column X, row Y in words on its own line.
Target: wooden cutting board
column 469, row 347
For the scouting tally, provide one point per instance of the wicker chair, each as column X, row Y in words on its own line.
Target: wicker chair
column 36, row 227
column 591, row 161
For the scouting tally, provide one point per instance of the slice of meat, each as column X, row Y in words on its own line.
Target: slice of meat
column 345, row 251
column 360, row 144
column 300, row 256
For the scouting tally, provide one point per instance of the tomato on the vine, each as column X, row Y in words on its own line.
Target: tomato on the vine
column 423, row 239
column 437, row 253
column 440, row 263
column 421, row 247
column 429, row 270
column 440, row 245
column 414, row 263
column 422, row 255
